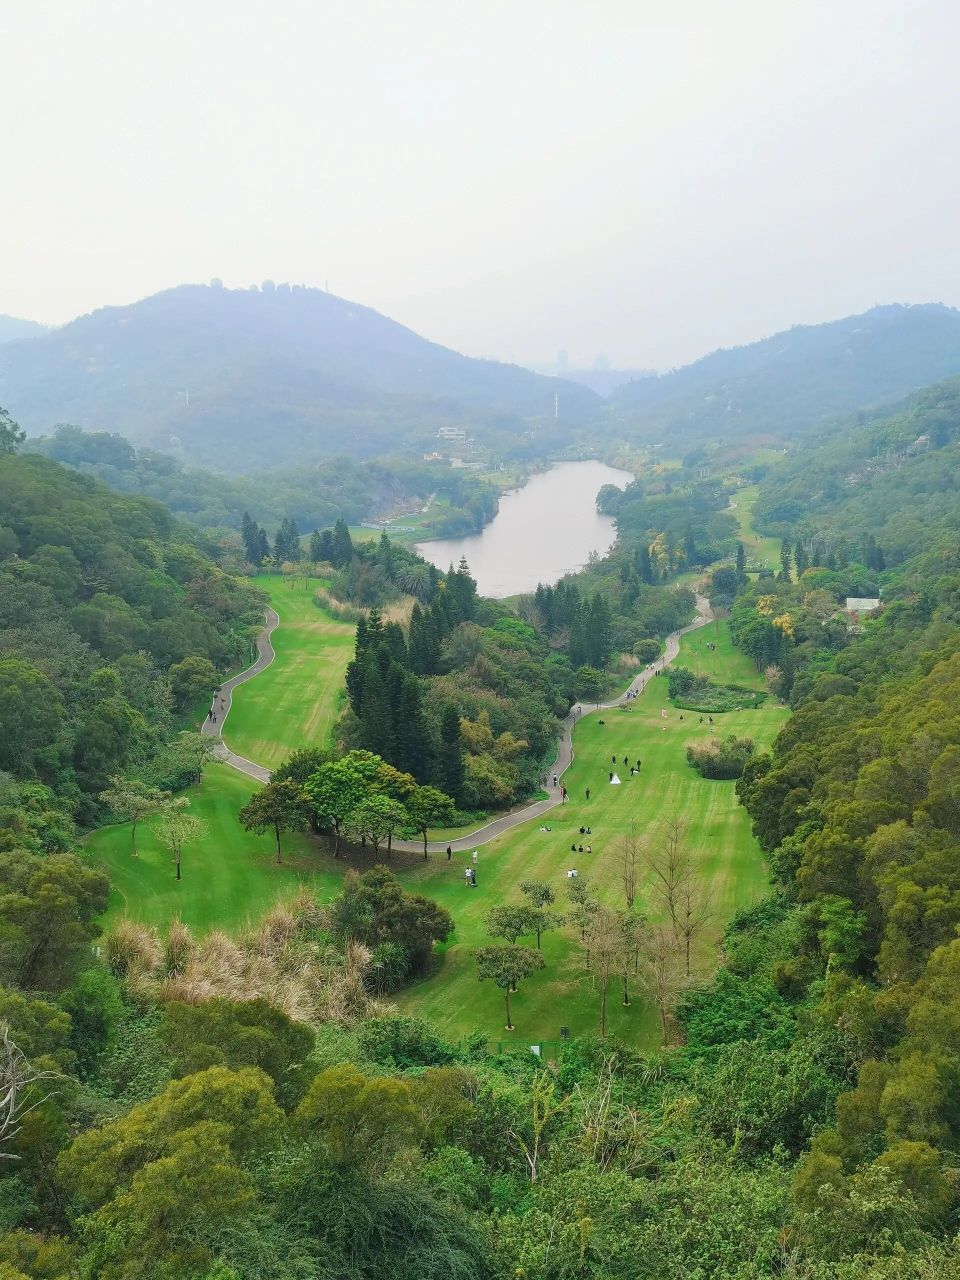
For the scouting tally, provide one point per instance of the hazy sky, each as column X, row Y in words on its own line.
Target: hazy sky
column 646, row 178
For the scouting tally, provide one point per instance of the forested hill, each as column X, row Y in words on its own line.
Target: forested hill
column 11, row 327
column 790, row 382
column 243, row 378
column 112, row 622
column 893, row 476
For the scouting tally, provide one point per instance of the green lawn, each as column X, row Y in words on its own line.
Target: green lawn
column 718, row 833
column 229, row 877
column 294, row 702
column 760, row 550
column 724, row 664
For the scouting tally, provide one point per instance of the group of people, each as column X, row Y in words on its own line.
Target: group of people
column 217, row 707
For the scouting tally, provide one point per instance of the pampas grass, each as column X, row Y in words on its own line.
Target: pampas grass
column 285, row 959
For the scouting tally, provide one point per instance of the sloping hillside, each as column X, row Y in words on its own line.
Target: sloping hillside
column 241, row 378
column 894, row 475
column 785, row 384
column 11, row 327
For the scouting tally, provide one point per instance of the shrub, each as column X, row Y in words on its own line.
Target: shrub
column 720, row 757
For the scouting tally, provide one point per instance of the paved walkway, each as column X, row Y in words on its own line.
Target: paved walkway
column 506, row 821
column 223, row 702
column 484, row 834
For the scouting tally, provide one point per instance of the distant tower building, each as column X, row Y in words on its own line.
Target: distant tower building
column 601, row 364
column 563, row 363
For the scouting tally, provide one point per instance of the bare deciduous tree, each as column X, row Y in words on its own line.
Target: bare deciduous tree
column 662, row 971
column 608, row 941
column 668, row 865
column 630, row 850
column 694, row 913
column 17, row 1095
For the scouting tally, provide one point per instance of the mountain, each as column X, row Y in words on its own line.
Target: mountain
column 238, row 379
column 893, row 476
column 785, row 384
column 11, row 328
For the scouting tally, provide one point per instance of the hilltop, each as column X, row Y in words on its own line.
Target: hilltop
column 238, row 379
column 785, row 384
column 11, row 327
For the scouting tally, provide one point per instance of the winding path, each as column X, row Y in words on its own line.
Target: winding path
column 224, row 701
column 506, row 821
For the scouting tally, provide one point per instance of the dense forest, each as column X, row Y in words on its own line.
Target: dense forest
column 313, row 496
column 786, row 384
column 114, row 621
column 231, row 1108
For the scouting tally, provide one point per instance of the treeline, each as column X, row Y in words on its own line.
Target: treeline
column 113, row 621
column 468, row 697
column 315, row 495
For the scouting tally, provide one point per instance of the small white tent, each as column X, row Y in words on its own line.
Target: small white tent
column 614, row 781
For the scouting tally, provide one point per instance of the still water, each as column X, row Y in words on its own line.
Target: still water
column 542, row 531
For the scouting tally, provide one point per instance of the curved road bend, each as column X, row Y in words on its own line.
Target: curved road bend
column 506, row 821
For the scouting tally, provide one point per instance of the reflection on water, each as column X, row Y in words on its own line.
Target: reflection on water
column 542, row 531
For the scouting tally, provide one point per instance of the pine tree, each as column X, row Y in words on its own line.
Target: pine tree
column 316, row 546
column 785, row 561
column 412, row 745
column 449, row 772
column 250, row 533
column 263, row 548
column 689, row 548
column 341, row 552
column 645, row 565
column 741, row 563
column 800, row 558
column 376, row 722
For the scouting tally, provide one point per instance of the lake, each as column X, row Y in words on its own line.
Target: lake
column 543, row 530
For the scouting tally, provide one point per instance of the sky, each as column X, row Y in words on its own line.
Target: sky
column 646, row 179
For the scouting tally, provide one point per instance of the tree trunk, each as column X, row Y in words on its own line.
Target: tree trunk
column 133, row 839
column 626, row 998
column 425, row 858
column 506, row 1005
column 687, row 941
column 336, row 839
column 176, row 858
column 603, row 1009
column 276, row 832
column 389, row 843
column 538, row 939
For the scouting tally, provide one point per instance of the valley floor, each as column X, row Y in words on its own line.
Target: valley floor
column 230, row 878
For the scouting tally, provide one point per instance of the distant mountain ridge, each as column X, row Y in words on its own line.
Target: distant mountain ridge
column 249, row 378
column 785, row 384
column 11, row 327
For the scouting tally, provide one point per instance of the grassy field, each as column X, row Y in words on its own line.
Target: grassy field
column 295, row 701
column 759, row 549
column 229, row 877
column 717, row 832
column 724, row 664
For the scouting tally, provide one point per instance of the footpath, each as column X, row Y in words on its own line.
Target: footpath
column 506, row 821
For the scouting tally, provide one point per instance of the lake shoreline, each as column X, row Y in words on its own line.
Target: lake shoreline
column 544, row 529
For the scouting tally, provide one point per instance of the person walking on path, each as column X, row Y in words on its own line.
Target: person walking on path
column 473, row 879
column 449, row 852
column 588, row 793
column 554, row 779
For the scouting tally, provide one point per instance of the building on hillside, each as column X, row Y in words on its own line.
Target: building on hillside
column 858, row 608
column 453, row 433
